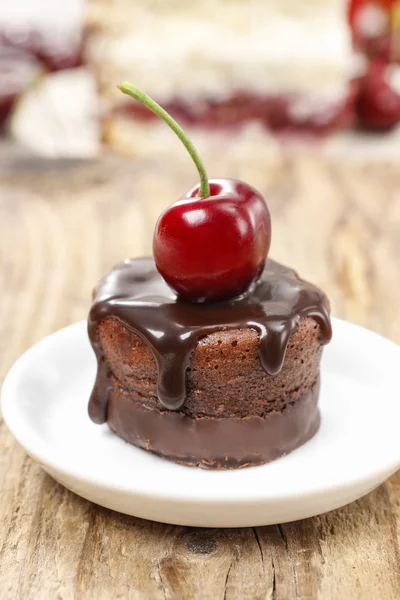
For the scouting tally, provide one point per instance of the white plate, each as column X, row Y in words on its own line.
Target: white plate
column 44, row 403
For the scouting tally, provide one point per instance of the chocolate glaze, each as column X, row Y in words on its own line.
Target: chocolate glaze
column 135, row 293
column 210, row 442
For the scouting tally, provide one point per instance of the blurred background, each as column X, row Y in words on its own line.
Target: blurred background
column 320, row 71
column 299, row 99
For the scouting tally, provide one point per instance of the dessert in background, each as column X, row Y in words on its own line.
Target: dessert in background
column 285, row 66
column 36, row 37
column 56, row 115
column 256, row 71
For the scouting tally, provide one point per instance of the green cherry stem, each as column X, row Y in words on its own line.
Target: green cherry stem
column 134, row 92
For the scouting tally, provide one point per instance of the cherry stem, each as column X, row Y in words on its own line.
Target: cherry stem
column 134, row 92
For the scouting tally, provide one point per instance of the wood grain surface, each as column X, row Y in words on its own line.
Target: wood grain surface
column 63, row 225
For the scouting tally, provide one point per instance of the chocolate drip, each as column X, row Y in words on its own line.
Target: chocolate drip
column 136, row 294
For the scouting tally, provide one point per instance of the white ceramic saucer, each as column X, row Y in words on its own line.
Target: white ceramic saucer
column 44, row 403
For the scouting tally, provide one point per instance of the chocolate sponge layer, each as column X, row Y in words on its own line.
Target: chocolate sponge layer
column 225, row 378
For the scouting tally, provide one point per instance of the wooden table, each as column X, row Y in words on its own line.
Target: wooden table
column 62, row 225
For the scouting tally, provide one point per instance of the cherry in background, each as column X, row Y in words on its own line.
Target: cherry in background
column 378, row 104
column 212, row 244
column 370, row 22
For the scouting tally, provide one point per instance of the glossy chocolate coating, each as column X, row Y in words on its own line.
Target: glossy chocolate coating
column 214, row 443
column 134, row 293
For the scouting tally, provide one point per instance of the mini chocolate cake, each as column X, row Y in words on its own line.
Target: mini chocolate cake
column 221, row 385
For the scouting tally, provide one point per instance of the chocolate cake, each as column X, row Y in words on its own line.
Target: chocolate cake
column 221, row 385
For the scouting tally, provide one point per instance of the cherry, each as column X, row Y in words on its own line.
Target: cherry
column 378, row 106
column 210, row 249
column 212, row 244
column 370, row 22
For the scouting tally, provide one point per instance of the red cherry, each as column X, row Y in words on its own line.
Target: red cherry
column 214, row 248
column 378, row 106
column 371, row 26
column 212, row 244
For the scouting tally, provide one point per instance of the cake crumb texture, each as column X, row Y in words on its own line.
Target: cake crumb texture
column 225, row 377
